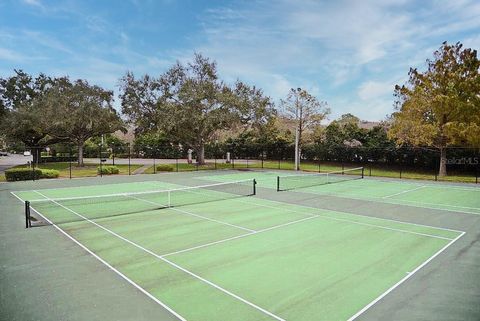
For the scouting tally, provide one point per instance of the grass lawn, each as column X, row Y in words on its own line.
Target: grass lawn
column 85, row 171
column 369, row 171
column 184, row 167
column 378, row 171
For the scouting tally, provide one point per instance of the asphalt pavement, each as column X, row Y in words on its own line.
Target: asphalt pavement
column 13, row 160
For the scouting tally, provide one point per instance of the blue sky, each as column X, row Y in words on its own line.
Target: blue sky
column 348, row 53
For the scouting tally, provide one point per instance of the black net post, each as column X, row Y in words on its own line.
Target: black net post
column 278, row 183
column 254, row 187
column 27, row 215
column 363, row 172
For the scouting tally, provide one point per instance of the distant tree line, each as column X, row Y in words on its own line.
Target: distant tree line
column 190, row 107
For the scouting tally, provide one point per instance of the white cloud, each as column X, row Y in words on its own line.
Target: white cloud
column 33, row 3
column 7, row 54
column 371, row 90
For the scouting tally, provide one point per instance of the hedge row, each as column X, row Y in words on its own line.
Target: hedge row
column 164, row 168
column 108, row 170
column 25, row 174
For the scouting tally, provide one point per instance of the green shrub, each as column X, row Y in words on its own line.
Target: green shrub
column 164, row 168
column 26, row 174
column 108, row 170
column 22, row 174
column 49, row 173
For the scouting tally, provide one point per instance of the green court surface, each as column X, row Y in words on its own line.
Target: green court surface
column 218, row 253
column 463, row 199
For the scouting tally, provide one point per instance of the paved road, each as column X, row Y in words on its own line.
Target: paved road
column 149, row 161
column 13, row 160
column 18, row 159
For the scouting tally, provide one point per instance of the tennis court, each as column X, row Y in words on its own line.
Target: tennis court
column 456, row 198
column 222, row 251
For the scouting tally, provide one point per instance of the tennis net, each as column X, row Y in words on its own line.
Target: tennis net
column 290, row 182
column 47, row 211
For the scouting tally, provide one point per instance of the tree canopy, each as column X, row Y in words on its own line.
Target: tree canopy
column 190, row 103
column 305, row 109
column 44, row 110
column 78, row 111
column 440, row 106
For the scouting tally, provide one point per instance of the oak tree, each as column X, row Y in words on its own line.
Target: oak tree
column 440, row 106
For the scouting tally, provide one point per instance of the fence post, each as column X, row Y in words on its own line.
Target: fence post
column 100, row 152
column 476, row 173
column 370, row 171
column 154, row 167
column 33, row 165
column 319, row 165
column 400, row 172
column 70, row 162
column 176, row 163
column 129, row 157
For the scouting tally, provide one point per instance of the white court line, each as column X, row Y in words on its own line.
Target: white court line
column 309, row 216
column 368, row 306
column 170, row 262
column 396, row 202
column 434, row 185
column 404, row 192
column 420, row 203
column 195, row 215
column 239, row 236
column 177, row 189
column 166, row 307
column 355, row 222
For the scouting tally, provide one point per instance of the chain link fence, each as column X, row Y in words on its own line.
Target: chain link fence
column 463, row 164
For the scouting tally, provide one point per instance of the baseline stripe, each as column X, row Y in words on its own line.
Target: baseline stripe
column 404, row 192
